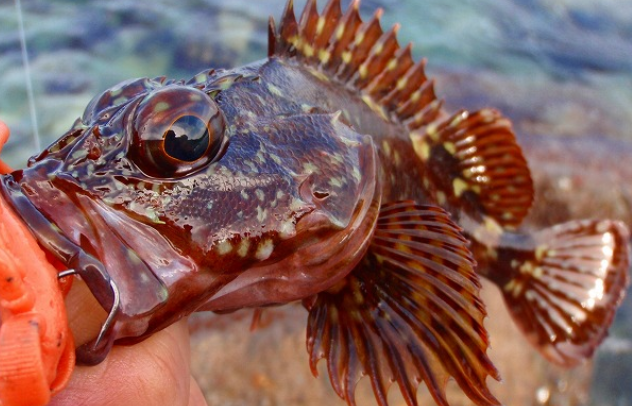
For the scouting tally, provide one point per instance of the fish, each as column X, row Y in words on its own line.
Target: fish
column 328, row 174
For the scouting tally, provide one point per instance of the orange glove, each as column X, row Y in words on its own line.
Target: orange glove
column 36, row 347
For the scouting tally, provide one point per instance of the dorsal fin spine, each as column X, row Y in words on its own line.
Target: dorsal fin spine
column 326, row 25
column 308, row 22
column 360, row 55
column 272, row 37
column 396, row 67
column 379, row 57
column 406, row 85
column 288, row 31
column 366, row 37
column 421, row 97
column 368, row 34
column 426, row 115
column 343, row 36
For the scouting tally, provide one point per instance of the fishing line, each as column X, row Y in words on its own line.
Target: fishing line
column 27, row 73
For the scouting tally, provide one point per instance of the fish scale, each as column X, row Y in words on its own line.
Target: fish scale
column 332, row 175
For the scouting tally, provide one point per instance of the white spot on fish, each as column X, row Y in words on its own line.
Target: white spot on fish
column 346, row 57
column 309, row 167
column 79, row 154
column 356, row 174
column 340, row 31
column 540, row 252
column 274, row 90
column 459, row 186
column 260, row 158
column 260, row 194
column 324, row 56
column 224, row 247
column 386, row 147
column 441, row 198
column 251, row 165
column 264, row 249
column 363, row 71
column 287, row 229
column 320, row 25
column 244, row 246
column 335, row 182
column 262, row 214
column 308, row 50
column 397, row 158
column 153, row 216
column 276, row 159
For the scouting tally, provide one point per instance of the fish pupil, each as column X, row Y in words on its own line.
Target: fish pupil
column 187, row 139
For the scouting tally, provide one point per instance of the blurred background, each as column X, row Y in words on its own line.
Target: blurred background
column 560, row 69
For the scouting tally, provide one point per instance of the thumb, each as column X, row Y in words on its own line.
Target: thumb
column 155, row 371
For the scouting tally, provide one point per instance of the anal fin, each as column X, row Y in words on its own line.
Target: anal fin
column 409, row 312
column 563, row 293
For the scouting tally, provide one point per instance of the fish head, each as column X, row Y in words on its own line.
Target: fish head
column 164, row 197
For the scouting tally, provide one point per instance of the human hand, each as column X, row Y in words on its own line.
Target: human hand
column 153, row 372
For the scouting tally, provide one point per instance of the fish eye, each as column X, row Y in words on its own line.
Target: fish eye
column 187, row 139
column 177, row 130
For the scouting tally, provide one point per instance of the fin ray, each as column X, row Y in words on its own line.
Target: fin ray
column 563, row 294
column 395, row 68
column 308, row 22
column 359, row 55
column 409, row 312
column 330, row 16
column 377, row 60
column 364, row 40
column 475, row 164
column 343, row 36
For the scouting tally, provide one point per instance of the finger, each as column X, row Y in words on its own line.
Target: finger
column 153, row 372
column 4, row 136
column 196, row 397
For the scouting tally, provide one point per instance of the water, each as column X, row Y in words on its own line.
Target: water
column 556, row 67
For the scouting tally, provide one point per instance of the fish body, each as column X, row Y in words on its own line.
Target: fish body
column 327, row 173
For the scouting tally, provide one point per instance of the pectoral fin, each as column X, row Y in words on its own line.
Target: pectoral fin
column 409, row 312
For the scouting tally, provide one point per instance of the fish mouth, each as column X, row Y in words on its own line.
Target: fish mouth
column 49, row 235
column 78, row 231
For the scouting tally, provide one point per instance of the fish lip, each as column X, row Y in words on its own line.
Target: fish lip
column 49, row 236
column 91, row 249
column 52, row 240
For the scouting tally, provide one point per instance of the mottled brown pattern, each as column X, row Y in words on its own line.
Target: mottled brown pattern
column 324, row 173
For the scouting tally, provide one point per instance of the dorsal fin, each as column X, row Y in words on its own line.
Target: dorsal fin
column 359, row 55
column 474, row 163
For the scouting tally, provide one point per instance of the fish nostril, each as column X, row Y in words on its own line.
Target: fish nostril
column 320, row 195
